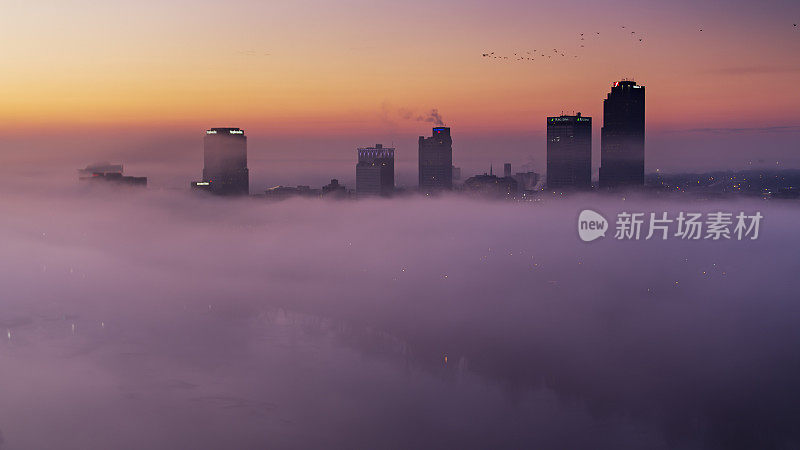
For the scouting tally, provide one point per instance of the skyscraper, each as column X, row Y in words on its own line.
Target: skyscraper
column 375, row 171
column 507, row 169
column 622, row 136
column 569, row 152
column 436, row 161
column 225, row 162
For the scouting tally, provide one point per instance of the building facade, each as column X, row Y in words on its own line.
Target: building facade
column 225, row 161
column 375, row 172
column 569, row 152
column 622, row 136
column 436, row 161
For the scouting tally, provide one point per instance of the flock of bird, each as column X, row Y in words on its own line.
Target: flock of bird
column 556, row 52
column 562, row 53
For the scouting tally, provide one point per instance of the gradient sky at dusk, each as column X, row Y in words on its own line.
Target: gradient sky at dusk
column 311, row 73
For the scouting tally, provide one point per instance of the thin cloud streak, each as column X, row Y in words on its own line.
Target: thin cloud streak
column 755, row 70
column 737, row 130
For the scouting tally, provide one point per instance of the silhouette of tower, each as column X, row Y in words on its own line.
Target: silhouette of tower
column 436, row 161
column 622, row 136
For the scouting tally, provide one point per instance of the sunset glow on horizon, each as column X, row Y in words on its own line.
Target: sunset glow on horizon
column 414, row 224
column 311, row 80
column 284, row 66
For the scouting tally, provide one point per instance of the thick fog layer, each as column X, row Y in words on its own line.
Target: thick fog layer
column 159, row 319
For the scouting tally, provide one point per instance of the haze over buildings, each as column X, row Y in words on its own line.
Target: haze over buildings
column 225, row 169
column 134, row 318
column 457, row 315
column 110, row 173
column 490, row 185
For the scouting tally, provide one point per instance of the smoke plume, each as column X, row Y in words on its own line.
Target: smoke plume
column 433, row 116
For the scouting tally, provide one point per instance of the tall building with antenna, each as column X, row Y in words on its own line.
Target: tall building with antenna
column 622, row 136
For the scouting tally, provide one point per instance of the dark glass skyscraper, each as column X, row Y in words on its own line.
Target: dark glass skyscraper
column 436, row 161
column 225, row 161
column 569, row 152
column 622, row 136
column 375, row 171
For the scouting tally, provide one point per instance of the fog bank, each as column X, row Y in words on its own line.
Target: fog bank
column 160, row 319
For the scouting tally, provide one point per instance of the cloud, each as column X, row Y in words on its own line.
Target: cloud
column 433, row 116
column 167, row 320
column 754, row 70
column 391, row 115
column 254, row 53
column 738, row 130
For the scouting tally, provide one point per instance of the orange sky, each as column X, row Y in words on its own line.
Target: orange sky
column 283, row 66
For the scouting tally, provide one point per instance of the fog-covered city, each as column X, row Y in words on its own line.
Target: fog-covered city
column 370, row 224
column 163, row 319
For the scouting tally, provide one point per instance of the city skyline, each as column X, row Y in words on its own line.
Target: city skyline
column 569, row 156
column 428, row 224
column 298, row 91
